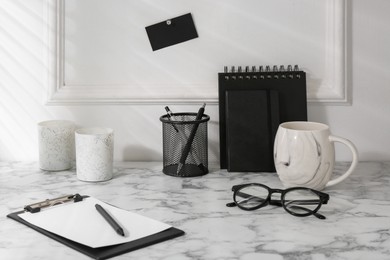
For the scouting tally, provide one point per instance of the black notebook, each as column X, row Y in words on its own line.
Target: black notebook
column 252, row 104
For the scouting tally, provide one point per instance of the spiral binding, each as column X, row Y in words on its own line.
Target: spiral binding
column 262, row 72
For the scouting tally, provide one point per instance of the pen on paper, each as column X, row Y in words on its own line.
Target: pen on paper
column 110, row 220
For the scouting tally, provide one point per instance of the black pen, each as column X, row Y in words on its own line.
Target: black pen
column 170, row 117
column 188, row 145
column 110, row 220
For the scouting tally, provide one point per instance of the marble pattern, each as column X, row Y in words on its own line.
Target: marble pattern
column 305, row 157
column 56, row 145
column 357, row 224
column 304, row 160
column 94, row 154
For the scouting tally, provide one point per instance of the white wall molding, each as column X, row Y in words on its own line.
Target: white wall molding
column 332, row 89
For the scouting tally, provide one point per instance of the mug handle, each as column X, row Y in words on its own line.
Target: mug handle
column 355, row 159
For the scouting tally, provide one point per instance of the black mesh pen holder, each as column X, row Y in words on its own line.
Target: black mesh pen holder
column 185, row 145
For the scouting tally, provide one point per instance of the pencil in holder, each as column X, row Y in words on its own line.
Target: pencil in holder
column 185, row 145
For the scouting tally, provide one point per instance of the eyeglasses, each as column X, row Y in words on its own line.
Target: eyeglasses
column 297, row 201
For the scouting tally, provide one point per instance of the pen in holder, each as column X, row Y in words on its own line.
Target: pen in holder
column 185, row 144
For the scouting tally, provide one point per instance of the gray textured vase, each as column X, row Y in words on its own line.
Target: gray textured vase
column 304, row 155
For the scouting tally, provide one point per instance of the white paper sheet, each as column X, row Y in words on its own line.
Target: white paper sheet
column 82, row 223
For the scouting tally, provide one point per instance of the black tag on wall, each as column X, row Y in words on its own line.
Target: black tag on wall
column 171, row 31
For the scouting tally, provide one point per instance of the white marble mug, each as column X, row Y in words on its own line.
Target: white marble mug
column 304, row 155
column 56, row 145
column 94, row 154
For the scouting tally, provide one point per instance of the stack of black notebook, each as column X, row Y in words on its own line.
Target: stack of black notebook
column 252, row 104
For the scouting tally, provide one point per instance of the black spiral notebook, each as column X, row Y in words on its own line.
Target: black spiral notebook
column 252, row 103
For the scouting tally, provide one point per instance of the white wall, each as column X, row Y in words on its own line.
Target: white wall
column 137, row 127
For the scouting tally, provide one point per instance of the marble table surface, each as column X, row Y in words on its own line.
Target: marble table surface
column 357, row 224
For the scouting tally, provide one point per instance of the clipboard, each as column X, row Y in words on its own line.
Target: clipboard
column 96, row 253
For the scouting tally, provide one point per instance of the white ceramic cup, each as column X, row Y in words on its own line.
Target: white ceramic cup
column 304, row 155
column 56, row 145
column 94, row 154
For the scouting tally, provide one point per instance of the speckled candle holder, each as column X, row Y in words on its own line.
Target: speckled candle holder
column 56, row 145
column 94, row 154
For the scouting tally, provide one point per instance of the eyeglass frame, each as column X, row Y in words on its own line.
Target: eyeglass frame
column 323, row 199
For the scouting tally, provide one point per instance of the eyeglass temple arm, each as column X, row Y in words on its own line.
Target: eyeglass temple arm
column 306, row 202
column 279, row 203
column 249, row 197
column 316, row 214
column 246, row 196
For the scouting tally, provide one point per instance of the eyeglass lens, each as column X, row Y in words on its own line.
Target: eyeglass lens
column 301, row 201
column 251, row 196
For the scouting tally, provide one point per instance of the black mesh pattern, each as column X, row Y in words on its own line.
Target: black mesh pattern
column 176, row 133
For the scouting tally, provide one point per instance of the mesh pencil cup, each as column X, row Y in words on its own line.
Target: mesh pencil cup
column 178, row 160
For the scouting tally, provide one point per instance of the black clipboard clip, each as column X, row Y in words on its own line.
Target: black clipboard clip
column 36, row 207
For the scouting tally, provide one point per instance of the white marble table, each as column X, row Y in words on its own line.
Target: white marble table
column 357, row 224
